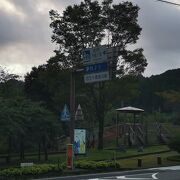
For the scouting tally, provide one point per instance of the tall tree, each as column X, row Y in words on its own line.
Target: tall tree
column 23, row 122
column 10, row 85
column 89, row 24
column 48, row 83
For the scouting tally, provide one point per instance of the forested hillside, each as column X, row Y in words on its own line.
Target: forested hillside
column 160, row 92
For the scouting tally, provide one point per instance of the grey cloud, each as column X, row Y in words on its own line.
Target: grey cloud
column 34, row 29
column 161, row 26
column 160, row 35
column 31, row 37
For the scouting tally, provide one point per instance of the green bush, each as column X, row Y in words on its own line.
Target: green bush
column 46, row 168
column 174, row 158
column 97, row 165
column 33, row 170
column 174, row 143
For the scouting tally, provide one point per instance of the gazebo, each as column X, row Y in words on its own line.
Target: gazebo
column 134, row 111
column 130, row 109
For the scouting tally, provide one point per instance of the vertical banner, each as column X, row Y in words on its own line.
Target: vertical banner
column 79, row 141
column 70, row 155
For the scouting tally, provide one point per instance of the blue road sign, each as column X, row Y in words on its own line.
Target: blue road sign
column 65, row 115
column 96, row 77
column 94, row 55
column 96, row 67
column 87, row 55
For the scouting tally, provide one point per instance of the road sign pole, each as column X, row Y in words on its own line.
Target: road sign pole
column 72, row 105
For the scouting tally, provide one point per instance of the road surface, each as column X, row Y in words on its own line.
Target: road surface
column 163, row 173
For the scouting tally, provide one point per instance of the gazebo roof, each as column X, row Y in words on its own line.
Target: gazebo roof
column 130, row 109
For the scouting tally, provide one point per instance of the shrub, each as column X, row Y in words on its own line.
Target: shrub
column 33, row 170
column 97, row 165
column 174, row 143
column 174, row 158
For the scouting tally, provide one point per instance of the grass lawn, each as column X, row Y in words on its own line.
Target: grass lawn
column 149, row 161
column 171, row 128
column 92, row 154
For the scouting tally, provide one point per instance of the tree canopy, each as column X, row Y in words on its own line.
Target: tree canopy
column 90, row 24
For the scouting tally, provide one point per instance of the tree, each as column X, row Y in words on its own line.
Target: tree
column 23, row 122
column 48, row 83
column 174, row 143
column 89, row 24
column 6, row 76
column 10, row 85
column 171, row 96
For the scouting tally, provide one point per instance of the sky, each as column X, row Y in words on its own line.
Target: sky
column 25, row 35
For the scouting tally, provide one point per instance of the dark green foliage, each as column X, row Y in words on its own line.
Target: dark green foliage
column 39, row 169
column 50, row 84
column 174, row 158
column 6, row 76
column 33, row 170
column 25, row 124
column 174, row 143
column 166, row 81
column 10, row 86
column 80, row 25
column 160, row 92
column 97, row 165
column 86, row 25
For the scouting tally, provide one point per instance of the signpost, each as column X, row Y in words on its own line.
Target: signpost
column 79, row 141
column 95, row 55
column 96, row 65
column 79, row 114
column 96, row 77
column 65, row 115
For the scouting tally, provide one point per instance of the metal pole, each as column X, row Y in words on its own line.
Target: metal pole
column 116, row 129
column 72, row 102
column 72, row 105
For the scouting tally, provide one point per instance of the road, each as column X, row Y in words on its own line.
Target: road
column 163, row 173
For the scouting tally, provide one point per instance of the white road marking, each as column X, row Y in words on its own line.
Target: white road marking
column 154, row 176
column 135, row 178
column 167, row 168
column 128, row 178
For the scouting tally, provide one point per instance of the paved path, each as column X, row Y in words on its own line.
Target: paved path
column 163, row 173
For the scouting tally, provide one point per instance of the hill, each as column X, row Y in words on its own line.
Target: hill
column 150, row 87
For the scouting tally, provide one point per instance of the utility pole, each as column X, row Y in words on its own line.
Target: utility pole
column 72, row 101
column 72, row 105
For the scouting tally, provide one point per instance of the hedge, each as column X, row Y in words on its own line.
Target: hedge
column 39, row 169
column 97, row 165
column 32, row 170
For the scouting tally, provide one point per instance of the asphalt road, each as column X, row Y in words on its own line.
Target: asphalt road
column 164, row 173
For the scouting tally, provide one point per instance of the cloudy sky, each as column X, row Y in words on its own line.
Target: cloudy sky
column 25, row 36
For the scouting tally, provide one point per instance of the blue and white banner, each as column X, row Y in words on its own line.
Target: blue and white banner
column 79, row 141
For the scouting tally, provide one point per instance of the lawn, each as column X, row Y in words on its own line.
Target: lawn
column 96, row 155
column 92, row 154
column 149, row 161
column 171, row 128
